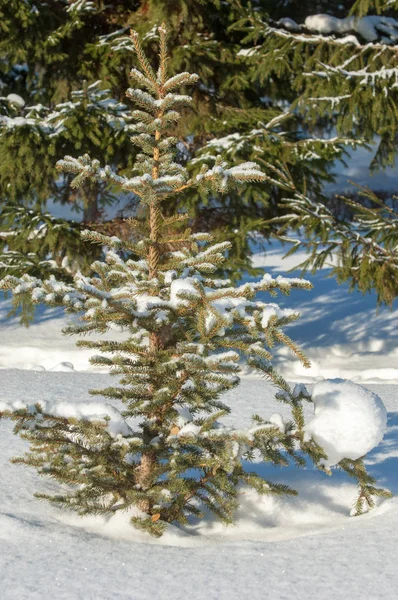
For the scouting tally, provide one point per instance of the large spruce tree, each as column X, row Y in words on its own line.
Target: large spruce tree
column 63, row 70
column 342, row 74
column 277, row 83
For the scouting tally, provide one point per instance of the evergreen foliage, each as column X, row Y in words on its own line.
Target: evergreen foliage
column 338, row 68
column 50, row 49
column 336, row 71
column 167, row 454
column 363, row 250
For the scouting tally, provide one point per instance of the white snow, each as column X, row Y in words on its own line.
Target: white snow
column 90, row 411
column 288, row 23
column 371, row 28
column 16, row 100
column 327, row 24
column 349, row 420
column 185, row 286
column 189, row 429
column 307, row 543
column 341, row 332
column 184, row 414
column 273, row 310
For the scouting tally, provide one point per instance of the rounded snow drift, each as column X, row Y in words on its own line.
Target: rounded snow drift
column 63, row 366
column 349, row 420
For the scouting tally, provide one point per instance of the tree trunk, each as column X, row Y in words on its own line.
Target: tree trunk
column 91, row 212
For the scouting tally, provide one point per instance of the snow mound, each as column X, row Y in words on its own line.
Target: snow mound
column 63, row 366
column 349, row 420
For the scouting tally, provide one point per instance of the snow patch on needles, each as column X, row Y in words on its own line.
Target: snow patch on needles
column 349, row 420
column 90, row 411
column 370, row 28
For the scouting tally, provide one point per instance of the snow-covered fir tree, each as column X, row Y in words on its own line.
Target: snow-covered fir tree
column 340, row 70
column 166, row 454
column 340, row 67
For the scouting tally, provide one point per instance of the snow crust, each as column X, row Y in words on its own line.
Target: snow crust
column 349, row 420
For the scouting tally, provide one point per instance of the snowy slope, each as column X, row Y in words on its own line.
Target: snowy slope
column 298, row 547
column 341, row 332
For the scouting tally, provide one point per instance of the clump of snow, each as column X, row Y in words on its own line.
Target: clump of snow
column 324, row 23
column 371, row 28
column 88, row 411
column 273, row 310
column 16, row 100
column 184, row 285
column 277, row 419
column 246, row 52
column 349, row 420
column 189, row 429
column 288, row 23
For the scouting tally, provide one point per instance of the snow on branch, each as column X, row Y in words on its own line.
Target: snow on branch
column 81, row 6
column 94, row 412
column 220, row 176
column 85, row 168
column 351, row 29
column 365, row 76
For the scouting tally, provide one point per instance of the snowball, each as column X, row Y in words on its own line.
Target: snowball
column 349, row 420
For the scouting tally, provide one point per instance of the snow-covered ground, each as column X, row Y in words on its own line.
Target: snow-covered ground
column 342, row 333
column 299, row 547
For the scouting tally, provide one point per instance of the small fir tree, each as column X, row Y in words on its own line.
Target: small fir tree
column 168, row 453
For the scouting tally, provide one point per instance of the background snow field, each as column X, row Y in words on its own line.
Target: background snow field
column 317, row 550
